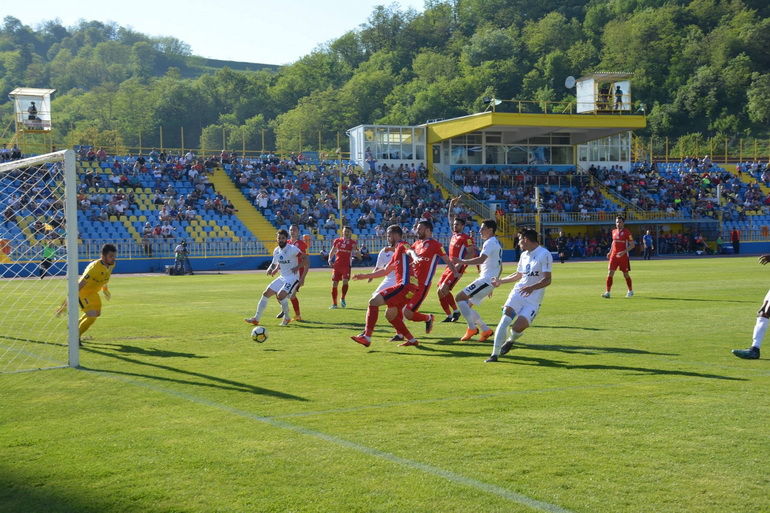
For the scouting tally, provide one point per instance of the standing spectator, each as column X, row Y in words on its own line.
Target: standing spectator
column 49, row 256
column 561, row 247
column 533, row 275
column 735, row 239
column 648, row 247
column 622, row 243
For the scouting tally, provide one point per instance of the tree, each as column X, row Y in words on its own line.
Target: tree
column 759, row 98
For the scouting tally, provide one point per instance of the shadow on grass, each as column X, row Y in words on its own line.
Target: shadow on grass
column 544, row 362
column 510, row 358
column 160, row 353
column 32, row 490
column 317, row 324
column 215, row 382
column 716, row 300
column 583, row 328
column 590, row 349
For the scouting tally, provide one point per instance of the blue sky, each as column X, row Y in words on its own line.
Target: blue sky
column 264, row 31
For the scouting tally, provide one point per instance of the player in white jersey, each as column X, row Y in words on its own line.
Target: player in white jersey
column 533, row 275
column 491, row 261
column 289, row 260
column 383, row 259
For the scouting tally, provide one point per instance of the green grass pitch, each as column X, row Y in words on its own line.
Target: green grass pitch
column 620, row 405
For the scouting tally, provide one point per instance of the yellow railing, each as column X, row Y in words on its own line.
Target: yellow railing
column 478, row 207
column 529, row 219
column 722, row 151
column 549, row 107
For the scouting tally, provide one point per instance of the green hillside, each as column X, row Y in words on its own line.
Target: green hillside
column 701, row 69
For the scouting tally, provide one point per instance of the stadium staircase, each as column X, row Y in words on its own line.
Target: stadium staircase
column 25, row 229
column 246, row 212
column 131, row 230
column 619, row 200
column 747, row 178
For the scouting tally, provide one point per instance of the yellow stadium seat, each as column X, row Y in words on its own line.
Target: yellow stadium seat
column 132, row 219
column 142, row 219
column 113, row 219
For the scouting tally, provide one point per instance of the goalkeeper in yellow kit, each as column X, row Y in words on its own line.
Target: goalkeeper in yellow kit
column 95, row 278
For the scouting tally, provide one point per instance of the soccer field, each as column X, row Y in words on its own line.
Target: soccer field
column 620, row 405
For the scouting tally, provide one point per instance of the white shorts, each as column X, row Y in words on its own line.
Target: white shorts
column 522, row 307
column 384, row 285
column 281, row 283
column 479, row 290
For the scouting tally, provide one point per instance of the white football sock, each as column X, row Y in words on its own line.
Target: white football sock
column 501, row 333
column 285, row 307
column 760, row 328
column 465, row 308
column 261, row 308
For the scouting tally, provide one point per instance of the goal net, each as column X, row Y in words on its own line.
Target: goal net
column 38, row 263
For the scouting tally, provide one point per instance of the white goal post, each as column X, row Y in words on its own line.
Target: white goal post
column 38, row 263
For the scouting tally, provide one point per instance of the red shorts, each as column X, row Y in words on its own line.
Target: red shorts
column 419, row 296
column 340, row 274
column 622, row 263
column 449, row 278
column 398, row 295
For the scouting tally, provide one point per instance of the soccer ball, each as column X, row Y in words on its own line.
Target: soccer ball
column 259, row 334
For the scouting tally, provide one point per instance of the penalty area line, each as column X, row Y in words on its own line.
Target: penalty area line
column 369, row 451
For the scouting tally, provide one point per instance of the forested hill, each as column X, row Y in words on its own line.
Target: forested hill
column 700, row 66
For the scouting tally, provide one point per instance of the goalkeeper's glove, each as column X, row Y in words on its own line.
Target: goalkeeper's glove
column 106, row 292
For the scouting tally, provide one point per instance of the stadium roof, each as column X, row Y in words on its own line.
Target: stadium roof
column 518, row 127
column 607, row 75
column 30, row 91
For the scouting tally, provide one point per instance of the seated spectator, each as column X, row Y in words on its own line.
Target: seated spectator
column 8, row 215
column 147, row 231
column 167, row 231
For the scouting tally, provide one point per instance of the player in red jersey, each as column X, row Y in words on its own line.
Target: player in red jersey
column 394, row 297
column 622, row 243
column 295, row 240
column 344, row 247
column 460, row 246
column 425, row 253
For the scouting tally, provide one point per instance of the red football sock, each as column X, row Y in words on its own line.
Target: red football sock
column 452, row 302
column 344, row 290
column 609, row 283
column 334, row 295
column 295, row 304
column 420, row 317
column 444, row 302
column 628, row 282
column 372, row 313
column 401, row 328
